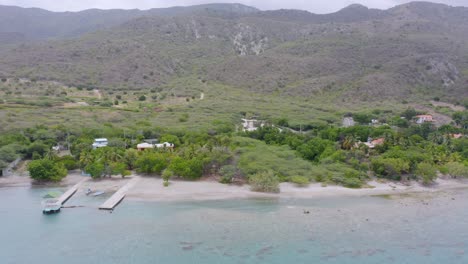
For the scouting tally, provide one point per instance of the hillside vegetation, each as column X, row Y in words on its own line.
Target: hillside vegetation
column 414, row 52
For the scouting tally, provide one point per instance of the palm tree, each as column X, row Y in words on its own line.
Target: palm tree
column 348, row 142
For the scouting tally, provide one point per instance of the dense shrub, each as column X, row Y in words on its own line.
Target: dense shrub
column 37, row 147
column 427, row 172
column 314, row 148
column 456, row 169
column 95, row 169
column 256, row 156
column 227, row 173
column 46, row 170
column 189, row 169
column 391, row 168
column 300, row 181
column 151, row 162
column 265, row 181
column 8, row 153
column 68, row 162
column 362, row 118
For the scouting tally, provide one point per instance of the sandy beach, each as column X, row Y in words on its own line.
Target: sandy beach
column 152, row 189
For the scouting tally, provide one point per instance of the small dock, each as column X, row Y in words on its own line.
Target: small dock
column 118, row 196
column 69, row 193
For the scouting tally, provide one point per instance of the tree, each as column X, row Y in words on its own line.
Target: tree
column 461, row 118
column 8, row 154
column 119, row 168
column 46, row 170
column 38, row 147
column 409, row 113
column 171, row 139
column 313, row 149
column 427, row 172
column 167, row 175
column 151, row 162
column 283, row 122
column 130, row 157
column 265, row 181
column 391, row 168
column 69, row 162
column 348, row 142
column 189, row 169
column 362, row 118
column 95, row 169
column 456, row 169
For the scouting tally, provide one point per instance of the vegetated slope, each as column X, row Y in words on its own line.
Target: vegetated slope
column 411, row 52
column 39, row 24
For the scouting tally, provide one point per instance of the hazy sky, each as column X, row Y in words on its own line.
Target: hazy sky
column 315, row 6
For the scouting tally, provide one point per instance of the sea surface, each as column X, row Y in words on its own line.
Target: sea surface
column 407, row 229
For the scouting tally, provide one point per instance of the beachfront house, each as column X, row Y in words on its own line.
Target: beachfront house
column 420, row 119
column 100, row 143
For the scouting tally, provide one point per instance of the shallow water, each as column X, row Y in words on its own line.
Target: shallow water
column 338, row 230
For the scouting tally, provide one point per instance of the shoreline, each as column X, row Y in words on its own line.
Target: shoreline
column 151, row 189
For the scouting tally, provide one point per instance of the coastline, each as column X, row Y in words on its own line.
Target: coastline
column 152, row 189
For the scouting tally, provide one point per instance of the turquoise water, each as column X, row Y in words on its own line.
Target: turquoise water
column 337, row 230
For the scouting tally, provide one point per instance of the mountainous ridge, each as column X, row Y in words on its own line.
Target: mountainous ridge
column 385, row 54
column 40, row 24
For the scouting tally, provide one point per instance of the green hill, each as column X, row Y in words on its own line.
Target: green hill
column 271, row 63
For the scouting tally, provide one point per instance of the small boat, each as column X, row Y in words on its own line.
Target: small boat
column 97, row 193
column 88, row 191
column 51, row 206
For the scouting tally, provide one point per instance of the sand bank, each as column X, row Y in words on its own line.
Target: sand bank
column 152, row 189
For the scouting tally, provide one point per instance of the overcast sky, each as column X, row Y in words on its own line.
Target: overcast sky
column 315, row 6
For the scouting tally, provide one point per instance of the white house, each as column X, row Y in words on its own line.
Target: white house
column 144, row 146
column 252, row 124
column 420, row 119
column 165, row 145
column 348, row 122
column 100, row 143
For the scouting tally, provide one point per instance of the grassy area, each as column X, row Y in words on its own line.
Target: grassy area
column 177, row 105
column 255, row 156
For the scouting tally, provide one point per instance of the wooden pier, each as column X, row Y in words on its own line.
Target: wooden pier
column 70, row 192
column 118, row 196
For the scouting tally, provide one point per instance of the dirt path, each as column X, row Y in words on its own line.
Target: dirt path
column 457, row 108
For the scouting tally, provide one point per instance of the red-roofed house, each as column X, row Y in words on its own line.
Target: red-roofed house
column 373, row 143
column 456, row 136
